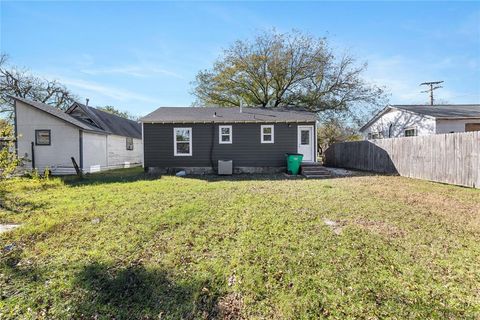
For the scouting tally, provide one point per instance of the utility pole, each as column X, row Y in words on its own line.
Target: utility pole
column 433, row 86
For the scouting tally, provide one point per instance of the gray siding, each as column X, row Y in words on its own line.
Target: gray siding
column 246, row 149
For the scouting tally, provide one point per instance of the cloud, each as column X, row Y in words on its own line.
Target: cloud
column 140, row 71
column 119, row 94
column 469, row 27
column 402, row 77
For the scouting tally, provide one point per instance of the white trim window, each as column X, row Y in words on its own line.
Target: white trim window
column 267, row 133
column 129, row 141
column 182, row 142
column 225, row 134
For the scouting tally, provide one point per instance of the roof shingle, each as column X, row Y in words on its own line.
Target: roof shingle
column 444, row 111
column 58, row 113
column 224, row 115
column 108, row 122
column 113, row 123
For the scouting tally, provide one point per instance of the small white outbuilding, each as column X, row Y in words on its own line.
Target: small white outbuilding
column 48, row 137
column 419, row 120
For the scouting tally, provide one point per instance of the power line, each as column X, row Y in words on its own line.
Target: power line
column 433, row 87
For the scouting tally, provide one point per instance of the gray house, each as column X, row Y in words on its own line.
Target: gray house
column 255, row 139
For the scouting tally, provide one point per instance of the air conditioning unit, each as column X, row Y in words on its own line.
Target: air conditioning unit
column 225, row 167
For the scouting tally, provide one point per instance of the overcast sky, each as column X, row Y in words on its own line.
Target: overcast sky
column 142, row 55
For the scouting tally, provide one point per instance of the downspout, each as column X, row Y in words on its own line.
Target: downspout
column 106, row 149
column 15, row 127
column 315, row 137
column 211, row 147
column 80, row 148
column 33, row 156
column 143, row 149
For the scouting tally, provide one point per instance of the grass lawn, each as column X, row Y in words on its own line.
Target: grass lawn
column 121, row 245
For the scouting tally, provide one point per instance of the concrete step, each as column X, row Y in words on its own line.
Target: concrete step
column 311, row 164
column 317, row 176
column 316, row 172
column 314, row 169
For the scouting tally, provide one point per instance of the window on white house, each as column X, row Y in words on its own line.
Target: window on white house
column 129, row 143
column 412, row 132
column 472, row 127
column 225, row 134
column 182, row 141
column 43, row 137
column 267, row 134
column 374, row 135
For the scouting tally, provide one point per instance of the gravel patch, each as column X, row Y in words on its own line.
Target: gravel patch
column 340, row 172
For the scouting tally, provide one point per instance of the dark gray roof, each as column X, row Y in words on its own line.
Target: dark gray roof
column 112, row 123
column 224, row 115
column 58, row 113
column 449, row 111
column 445, row 111
column 107, row 122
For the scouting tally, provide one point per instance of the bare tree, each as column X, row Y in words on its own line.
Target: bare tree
column 19, row 82
column 285, row 69
column 115, row 111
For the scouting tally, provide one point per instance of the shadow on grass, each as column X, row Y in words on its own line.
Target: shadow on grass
column 271, row 177
column 137, row 174
column 244, row 177
column 14, row 204
column 111, row 176
column 139, row 293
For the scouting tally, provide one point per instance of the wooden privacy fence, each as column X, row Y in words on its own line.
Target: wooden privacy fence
column 449, row 158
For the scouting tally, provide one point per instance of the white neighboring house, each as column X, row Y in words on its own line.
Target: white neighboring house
column 48, row 137
column 418, row 120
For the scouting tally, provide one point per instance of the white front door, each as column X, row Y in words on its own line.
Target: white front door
column 306, row 143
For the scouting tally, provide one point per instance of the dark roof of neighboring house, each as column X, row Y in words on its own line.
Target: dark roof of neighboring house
column 111, row 122
column 105, row 122
column 449, row 111
column 225, row 115
column 58, row 113
column 444, row 111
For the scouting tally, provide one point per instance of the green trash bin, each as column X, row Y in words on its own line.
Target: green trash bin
column 294, row 160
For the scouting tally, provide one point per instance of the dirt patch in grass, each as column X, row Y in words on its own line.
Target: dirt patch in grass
column 377, row 227
column 230, row 307
column 336, row 226
column 381, row 228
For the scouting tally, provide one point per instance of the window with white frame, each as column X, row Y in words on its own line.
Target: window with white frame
column 129, row 141
column 182, row 141
column 410, row 132
column 225, row 134
column 267, row 134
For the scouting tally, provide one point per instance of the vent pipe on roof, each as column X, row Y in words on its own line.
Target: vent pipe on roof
column 215, row 114
column 86, row 103
column 241, row 106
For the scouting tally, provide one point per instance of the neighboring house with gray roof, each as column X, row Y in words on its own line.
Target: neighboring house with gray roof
column 48, row 137
column 255, row 139
column 417, row 120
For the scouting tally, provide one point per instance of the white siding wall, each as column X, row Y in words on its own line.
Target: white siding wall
column 64, row 140
column 447, row 126
column 94, row 151
column 118, row 154
column 401, row 120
